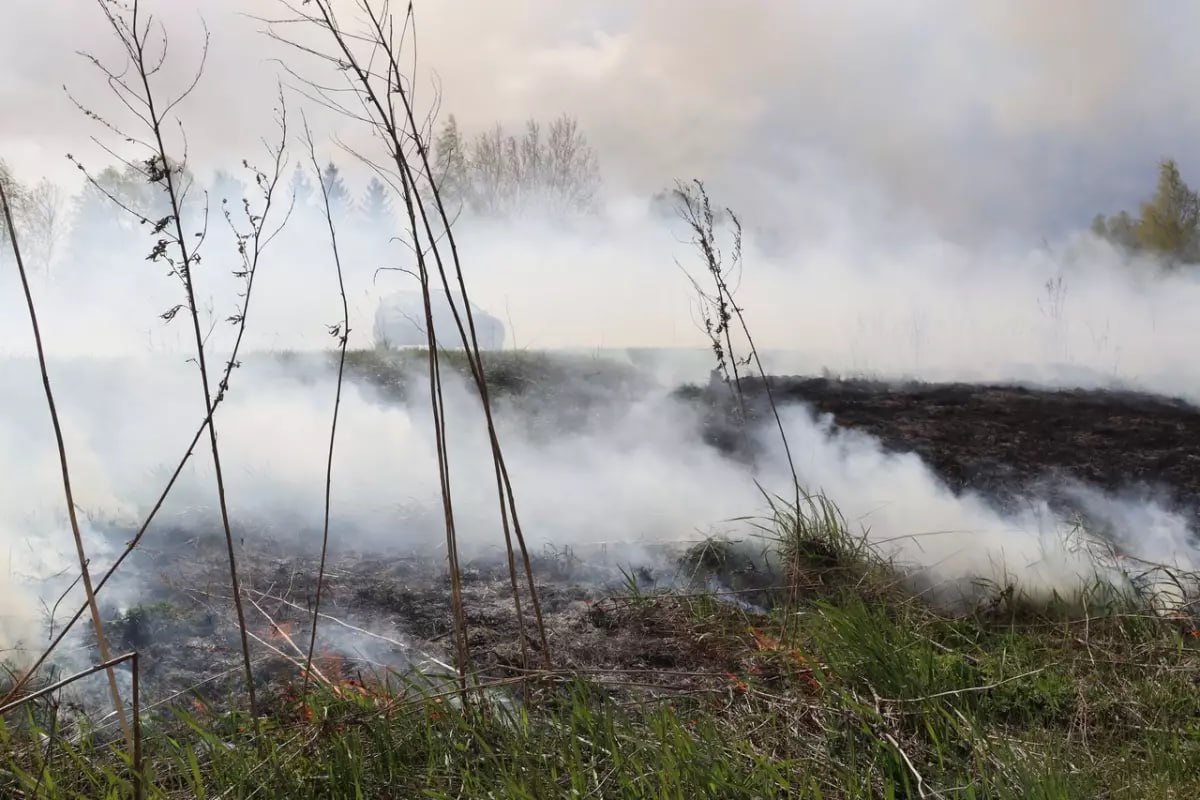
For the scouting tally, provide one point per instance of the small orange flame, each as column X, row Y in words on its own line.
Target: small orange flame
column 282, row 631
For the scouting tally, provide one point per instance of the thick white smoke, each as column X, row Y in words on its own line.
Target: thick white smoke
column 848, row 269
column 632, row 474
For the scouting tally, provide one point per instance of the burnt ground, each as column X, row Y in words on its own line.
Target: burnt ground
column 1007, row 443
column 1002, row 442
column 387, row 616
column 979, row 437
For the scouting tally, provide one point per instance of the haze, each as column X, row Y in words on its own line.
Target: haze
column 985, row 118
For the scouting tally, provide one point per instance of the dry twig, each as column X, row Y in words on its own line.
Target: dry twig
column 342, row 332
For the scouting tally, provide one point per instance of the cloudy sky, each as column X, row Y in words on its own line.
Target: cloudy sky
column 1018, row 116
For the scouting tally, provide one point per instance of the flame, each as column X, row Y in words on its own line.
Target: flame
column 282, row 632
column 771, row 644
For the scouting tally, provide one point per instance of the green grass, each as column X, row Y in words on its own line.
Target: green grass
column 507, row 371
column 850, row 687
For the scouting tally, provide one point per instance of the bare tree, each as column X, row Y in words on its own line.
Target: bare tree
column 490, row 187
column 45, row 215
column 549, row 169
column 572, row 174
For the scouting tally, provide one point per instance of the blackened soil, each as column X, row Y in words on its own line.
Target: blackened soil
column 1006, row 441
column 392, row 612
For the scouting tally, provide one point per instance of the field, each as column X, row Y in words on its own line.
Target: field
column 796, row 663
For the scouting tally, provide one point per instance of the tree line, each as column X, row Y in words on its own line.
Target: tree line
column 550, row 169
column 40, row 211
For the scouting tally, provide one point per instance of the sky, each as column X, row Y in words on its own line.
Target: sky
column 983, row 119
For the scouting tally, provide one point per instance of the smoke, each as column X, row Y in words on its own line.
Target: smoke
column 630, row 471
column 623, row 465
column 848, row 294
column 980, row 117
column 894, row 248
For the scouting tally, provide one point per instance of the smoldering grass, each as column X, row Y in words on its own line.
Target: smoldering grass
column 872, row 696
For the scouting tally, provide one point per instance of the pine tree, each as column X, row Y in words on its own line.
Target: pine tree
column 450, row 165
column 226, row 189
column 377, row 204
column 335, row 187
column 301, row 188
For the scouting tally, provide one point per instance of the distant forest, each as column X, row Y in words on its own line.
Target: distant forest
column 548, row 168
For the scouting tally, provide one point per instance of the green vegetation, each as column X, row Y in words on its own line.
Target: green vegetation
column 851, row 686
column 507, row 371
column 1167, row 222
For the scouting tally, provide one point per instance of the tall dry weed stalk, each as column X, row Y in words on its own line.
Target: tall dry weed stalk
column 719, row 306
column 369, row 56
column 256, row 232
column 720, row 310
column 69, row 495
column 131, row 83
column 341, row 332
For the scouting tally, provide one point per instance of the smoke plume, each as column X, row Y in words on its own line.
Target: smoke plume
column 895, row 202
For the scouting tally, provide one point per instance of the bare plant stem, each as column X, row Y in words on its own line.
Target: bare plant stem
column 505, row 494
column 260, row 239
column 787, row 450
column 342, row 332
column 259, row 244
column 507, row 500
column 135, row 745
column 696, row 211
column 385, row 92
column 136, row 45
column 85, row 572
column 387, row 126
